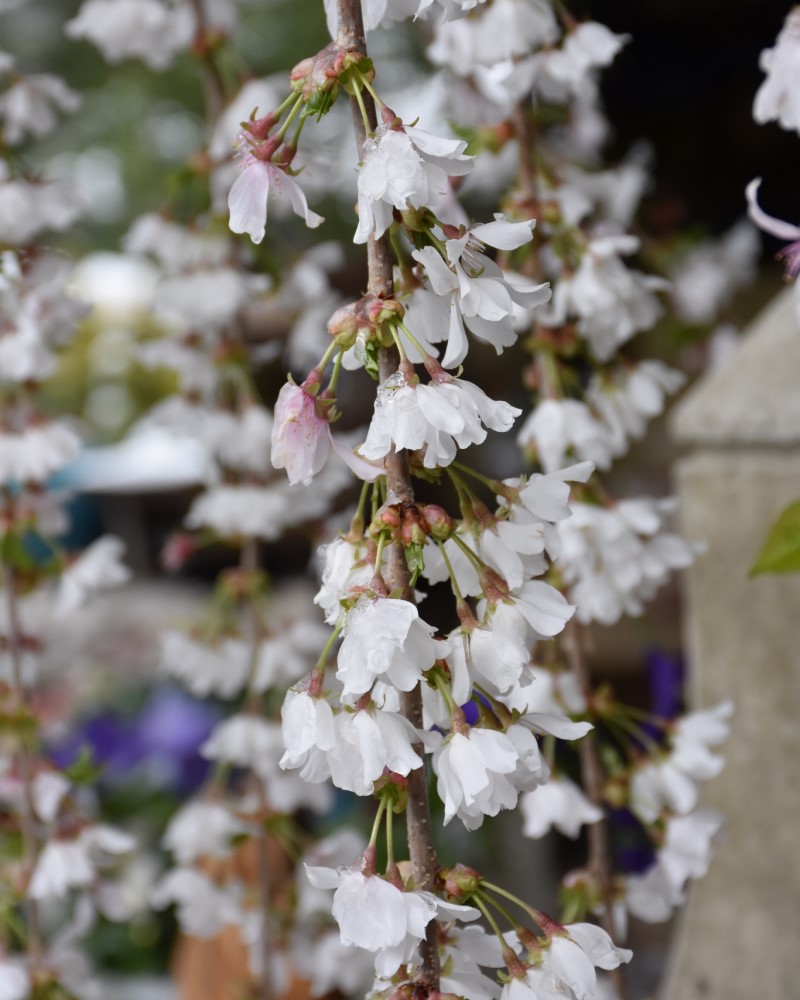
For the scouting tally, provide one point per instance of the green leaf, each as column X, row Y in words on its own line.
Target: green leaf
column 84, row 770
column 780, row 553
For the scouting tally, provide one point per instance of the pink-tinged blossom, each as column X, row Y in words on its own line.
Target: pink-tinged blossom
column 302, row 440
column 441, row 417
column 778, row 97
column 300, row 437
column 258, row 181
column 775, row 227
column 404, row 168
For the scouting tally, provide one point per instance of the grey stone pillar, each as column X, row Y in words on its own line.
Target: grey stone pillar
column 739, row 936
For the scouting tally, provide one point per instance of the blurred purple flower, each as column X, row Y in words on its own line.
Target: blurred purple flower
column 665, row 671
column 162, row 741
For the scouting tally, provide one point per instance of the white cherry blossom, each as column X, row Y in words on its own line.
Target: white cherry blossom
column 99, row 566
column 403, row 168
column 441, row 416
column 248, row 199
column 777, row 98
column 204, row 908
column 384, row 638
column 202, row 828
column 28, row 107
column 151, row 30
column 575, row 954
column 478, row 293
column 610, row 302
column 558, row 803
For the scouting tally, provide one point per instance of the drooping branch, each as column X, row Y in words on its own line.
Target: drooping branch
column 30, row 841
column 599, row 861
column 424, row 863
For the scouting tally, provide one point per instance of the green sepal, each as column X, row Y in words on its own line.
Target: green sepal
column 416, row 561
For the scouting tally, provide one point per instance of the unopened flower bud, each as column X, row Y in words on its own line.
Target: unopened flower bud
column 383, row 310
column 345, row 324
column 387, row 518
column 412, row 529
column 438, row 522
column 460, row 882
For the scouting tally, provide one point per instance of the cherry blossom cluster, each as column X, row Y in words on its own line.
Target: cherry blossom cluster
column 60, row 862
column 525, row 67
column 400, row 687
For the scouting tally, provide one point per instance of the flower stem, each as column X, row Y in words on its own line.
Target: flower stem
column 289, row 119
column 360, row 101
column 323, row 656
column 423, row 353
column 379, row 551
column 541, row 919
column 452, row 575
column 337, row 367
column 377, row 823
column 478, row 899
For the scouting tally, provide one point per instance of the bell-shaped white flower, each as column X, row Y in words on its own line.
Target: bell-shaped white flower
column 576, row 952
column 558, row 803
column 471, row 768
column 384, row 638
